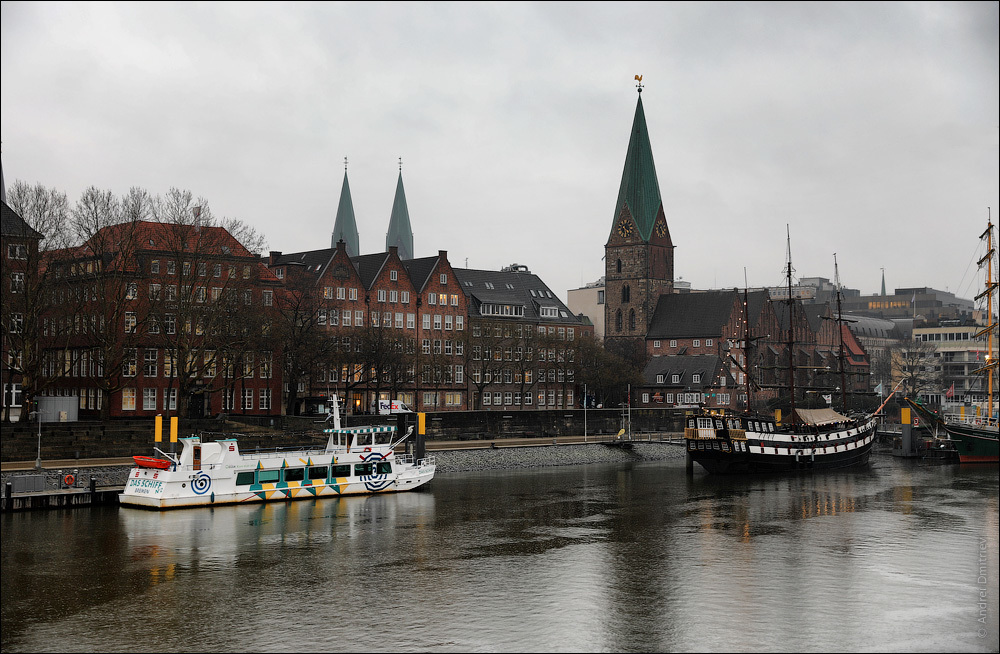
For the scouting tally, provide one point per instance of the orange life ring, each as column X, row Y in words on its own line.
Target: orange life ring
column 368, row 449
column 69, row 480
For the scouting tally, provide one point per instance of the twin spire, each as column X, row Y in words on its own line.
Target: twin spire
column 399, row 234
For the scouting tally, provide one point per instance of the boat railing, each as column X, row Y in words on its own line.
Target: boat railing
column 407, row 459
column 291, row 449
column 973, row 421
column 699, row 432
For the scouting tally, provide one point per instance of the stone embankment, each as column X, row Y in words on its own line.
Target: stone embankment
column 459, row 460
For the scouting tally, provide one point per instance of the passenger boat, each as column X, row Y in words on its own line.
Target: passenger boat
column 811, row 439
column 976, row 437
column 355, row 460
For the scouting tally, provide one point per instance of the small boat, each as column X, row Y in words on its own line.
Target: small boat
column 810, row 439
column 150, row 462
column 355, row 460
column 975, row 438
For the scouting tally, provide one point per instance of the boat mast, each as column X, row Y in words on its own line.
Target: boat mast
column 988, row 293
column 840, row 329
column 791, row 329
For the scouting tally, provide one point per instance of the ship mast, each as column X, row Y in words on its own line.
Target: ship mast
column 791, row 329
column 840, row 329
column 988, row 293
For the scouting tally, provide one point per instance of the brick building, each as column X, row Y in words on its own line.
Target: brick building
column 151, row 318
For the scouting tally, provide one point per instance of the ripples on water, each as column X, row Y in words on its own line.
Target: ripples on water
column 584, row 558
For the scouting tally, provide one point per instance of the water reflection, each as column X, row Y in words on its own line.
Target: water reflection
column 585, row 558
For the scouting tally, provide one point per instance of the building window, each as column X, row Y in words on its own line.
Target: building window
column 128, row 399
column 675, row 379
column 695, row 378
column 149, row 362
column 404, row 297
column 17, row 282
column 149, row 399
column 265, row 398
column 444, row 278
column 381, row 295
column 170, row 399
column 656, row 344
column 268, row 298
column 696, row 343
column 247, row 398
column 673, row 343
column 432, row 298
column 17, row 251
column 393, row 275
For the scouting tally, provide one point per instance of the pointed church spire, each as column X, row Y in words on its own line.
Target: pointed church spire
column 400, row 234
column 883, row 281
column 345, row 228
column 639, row 191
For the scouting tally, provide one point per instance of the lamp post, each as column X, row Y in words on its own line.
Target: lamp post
column 38, row 414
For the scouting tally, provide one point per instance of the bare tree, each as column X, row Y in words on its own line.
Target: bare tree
column 28, row 297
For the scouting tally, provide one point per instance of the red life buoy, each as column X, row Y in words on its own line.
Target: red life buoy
column 69, row 480
column 368, row 449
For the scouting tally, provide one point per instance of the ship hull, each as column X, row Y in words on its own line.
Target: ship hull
column 768, row 452
column 975, row 444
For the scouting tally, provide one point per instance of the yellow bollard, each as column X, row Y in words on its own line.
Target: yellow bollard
column 173, row 429
column 158, row 430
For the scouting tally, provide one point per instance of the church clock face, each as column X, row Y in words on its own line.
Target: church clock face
column 625, row 228
column 661, row 229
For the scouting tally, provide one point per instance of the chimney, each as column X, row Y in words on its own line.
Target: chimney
column 273, row 258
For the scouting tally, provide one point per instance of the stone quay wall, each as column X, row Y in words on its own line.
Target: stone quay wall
column 447, row 461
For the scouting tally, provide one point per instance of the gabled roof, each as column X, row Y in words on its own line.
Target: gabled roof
column 513, row 287
column 420, row 270
column 639, row 190
column 400, row 233
column 709, row 366
column 688, row 315
column 345, row 227
column 369, row 266
column 14, row 226
column 314, row 261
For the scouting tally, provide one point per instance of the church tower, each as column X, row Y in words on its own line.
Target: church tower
column 639, row 255
column 400, row 234
column 345, row 227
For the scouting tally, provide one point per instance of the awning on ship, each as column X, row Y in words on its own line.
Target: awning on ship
column 820, row 416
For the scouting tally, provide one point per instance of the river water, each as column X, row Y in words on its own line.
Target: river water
column 900, row 556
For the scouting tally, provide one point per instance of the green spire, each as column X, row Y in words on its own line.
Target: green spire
column 639, row 191
column 345, row 228
column 400, row 234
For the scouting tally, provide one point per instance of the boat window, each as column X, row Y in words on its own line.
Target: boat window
column 383, row 468
column 362, row 440
column 244, row 478
column 317, row 472
column 718, row 424
column 342, row 471
column 362, row 469
column 383, row 438
column 705, row 423
column 268, row 476
column 295, row 474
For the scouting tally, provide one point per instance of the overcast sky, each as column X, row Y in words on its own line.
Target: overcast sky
column 869, row 129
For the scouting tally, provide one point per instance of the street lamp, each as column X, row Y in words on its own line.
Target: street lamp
column 38, row 414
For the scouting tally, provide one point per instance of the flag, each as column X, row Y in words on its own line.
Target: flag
column 878, row 389
column 951, row 391
column 828, row 398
